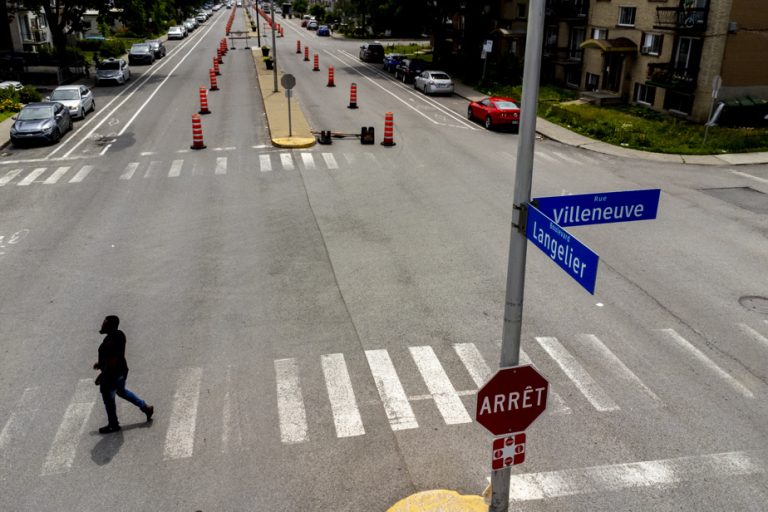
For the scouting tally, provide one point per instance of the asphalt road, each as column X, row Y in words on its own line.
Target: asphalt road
column 311, row 325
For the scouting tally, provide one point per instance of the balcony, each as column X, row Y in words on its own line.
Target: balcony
column 666, row 76
column 563, row 56
column 567, row 10
column 682, row 19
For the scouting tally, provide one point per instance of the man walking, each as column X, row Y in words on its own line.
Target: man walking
column 114, row 372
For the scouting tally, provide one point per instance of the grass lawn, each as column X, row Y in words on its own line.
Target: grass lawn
column 6, row 115
column 421, row 51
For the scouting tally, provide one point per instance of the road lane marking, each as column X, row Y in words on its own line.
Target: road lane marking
column 330, row 161
column 287, row 161
column 221, row 165
column 350, row 158
column 346, row 416
column 64, row 447
column 32, row 176
column 81, row 174
column 633, row 475
column 152, row 168
column 175, row 170
column 9, row 176
column 698, row 354
column 745, row 175
column 231, row 435
column 129, row 170
column 20, row 420
column 391, row 390
column 754, row 334
column 290, row 404
column 440, row 387
column 616, row 365
column 309, row 161
column 180, row 437
column 56, row 175
column 265, row 164
column 558, row 405
column 578, row 375
column 474, row 363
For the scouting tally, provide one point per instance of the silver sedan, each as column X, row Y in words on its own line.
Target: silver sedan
column 77, row 98
column 434, row 82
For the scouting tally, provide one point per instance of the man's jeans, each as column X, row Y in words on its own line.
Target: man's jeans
column 108, row 393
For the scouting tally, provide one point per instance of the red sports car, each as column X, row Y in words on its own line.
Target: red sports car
column 496, row 111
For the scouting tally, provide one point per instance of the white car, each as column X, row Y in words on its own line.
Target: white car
column 434, row 82
column 11, row 83
column 177, row 32
column 77, row 98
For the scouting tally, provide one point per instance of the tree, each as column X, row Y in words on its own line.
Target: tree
column 299, row 6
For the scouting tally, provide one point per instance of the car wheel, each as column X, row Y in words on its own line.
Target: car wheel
column 404, row 80
column 488, row 123
column 415, row 85
column 56, row 135
column 469, row 113
column 93, row 106
column 81, row 113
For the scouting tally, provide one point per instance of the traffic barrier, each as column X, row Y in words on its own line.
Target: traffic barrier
column 216, row 66
column 203, row 102
column 330, row 77
column 219, row 56
column 197, row 133
column 316, row 67
column 306, row 54
column 367, row 136
column 214, row 84
column 282, row 31
column 298, row 46
column 389, row 129
column 325, row 137
column 352, row 96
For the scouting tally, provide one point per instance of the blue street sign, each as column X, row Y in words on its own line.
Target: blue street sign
column 600, row 208
column 575, row 258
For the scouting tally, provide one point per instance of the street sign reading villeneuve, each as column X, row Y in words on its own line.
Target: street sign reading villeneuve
column 564, row 249
column 601, row 208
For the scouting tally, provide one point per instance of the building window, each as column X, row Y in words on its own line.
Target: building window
column 522, row 11
column 651, row 44
column 591, row 82
column 599, row 33
column 574, row 43
column 627, row 16
column 684, row 52
column 550, row 37
column 572, row 76
column 678, row 103
column 645, row 94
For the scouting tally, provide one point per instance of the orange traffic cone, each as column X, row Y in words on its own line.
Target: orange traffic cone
column 197, row 133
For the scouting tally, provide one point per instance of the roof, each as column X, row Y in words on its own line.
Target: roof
column 618, row 45
column 506, row 32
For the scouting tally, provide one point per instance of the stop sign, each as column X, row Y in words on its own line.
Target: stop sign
column 511, row 400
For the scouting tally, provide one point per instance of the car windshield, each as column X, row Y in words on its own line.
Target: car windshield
column 66, row 94
column 110, row 65
column 440, row 76
column 35, row 113
column 506, row 105
column 138, row 48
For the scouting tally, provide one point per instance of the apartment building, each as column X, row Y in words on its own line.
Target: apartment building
column 668, row 54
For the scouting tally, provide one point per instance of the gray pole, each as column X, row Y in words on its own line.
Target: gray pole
column 513, row 304
column 274, row 47
column 289, row 93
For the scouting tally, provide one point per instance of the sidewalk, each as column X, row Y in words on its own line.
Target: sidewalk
column 564, row 136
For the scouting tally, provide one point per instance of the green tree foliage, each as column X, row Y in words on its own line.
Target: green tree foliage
column 299, row 7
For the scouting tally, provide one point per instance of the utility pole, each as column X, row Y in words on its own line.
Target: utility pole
column 513, row 303
column 274, row 47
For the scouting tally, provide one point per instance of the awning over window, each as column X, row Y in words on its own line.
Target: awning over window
column 618, row 45
column 506, row 32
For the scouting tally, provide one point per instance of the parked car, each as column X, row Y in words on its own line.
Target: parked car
column 141, row 53
column 77, row 98
column 11, row 83
column 201, row 17
column 391, row 60
column 157, row 46
column 177, row 32
column 190, row 25
column 495, row 111
column 433, row 82
column 371, row 52
column 409, row 68
column 312, row 25
column 112, row 69
column 323, row 31
column 45, row 121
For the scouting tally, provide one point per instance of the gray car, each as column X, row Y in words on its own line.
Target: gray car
column 77, row 98
column 157, row 47
column 433, row 82
column 46, row 121
column 141, row 53
column 113, row 70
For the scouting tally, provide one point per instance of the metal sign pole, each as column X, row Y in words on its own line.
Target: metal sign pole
column 274, row 49
column 290, row 128
column 513, row 304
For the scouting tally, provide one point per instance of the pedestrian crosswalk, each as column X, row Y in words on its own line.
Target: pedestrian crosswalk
column 396, row 378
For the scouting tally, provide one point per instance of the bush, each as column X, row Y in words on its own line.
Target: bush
column 10, row 94
column 112, row 48
column 89, row 45
column 29, row 94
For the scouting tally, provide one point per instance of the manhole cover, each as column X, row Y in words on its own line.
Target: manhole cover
column 755, row 303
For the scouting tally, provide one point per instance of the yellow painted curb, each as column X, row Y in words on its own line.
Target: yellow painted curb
column 440, row 500
column 294, row 142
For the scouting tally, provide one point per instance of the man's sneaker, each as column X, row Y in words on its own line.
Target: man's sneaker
column 109, row 429
column 149, row 410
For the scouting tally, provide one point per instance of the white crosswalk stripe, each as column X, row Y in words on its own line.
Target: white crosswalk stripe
column 9, row 176
column 231, row 435
column 346, row 416
column 152, row 169
column 290, row 404
column 62, row 453
column 474, row 363
column 175, row 170
column 32, row 176
column 56, row 175
column 81, row 174
column 440, row 387
column 130, row 169
column 557, row 404
column 703, row 359
column 330, row 161
column 287, row 161
column 350, row 158
column 265, row 164
column 21, row 419
column 308, row 160
column 753, row 334
column 393, row 397
column 578, row 375
column 180, row 437
column 221, row 165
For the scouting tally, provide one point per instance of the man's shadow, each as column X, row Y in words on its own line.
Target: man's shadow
column 105, row 450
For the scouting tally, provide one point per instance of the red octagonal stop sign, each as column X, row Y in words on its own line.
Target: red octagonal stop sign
column 511, row 400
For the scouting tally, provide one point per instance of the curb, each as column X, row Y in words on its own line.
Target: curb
column 440, row 500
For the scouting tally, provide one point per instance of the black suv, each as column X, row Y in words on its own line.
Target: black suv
column 157, row 47
column 408, row 69
column 141, row 53
column 372, row 52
